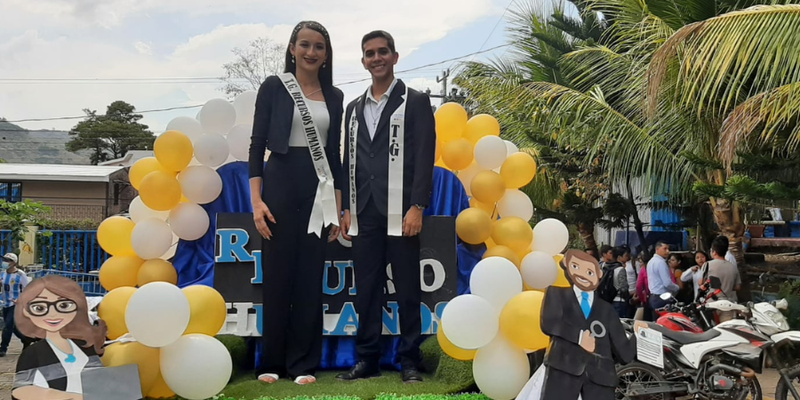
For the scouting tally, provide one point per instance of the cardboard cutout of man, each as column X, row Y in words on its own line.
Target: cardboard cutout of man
column 585, row 335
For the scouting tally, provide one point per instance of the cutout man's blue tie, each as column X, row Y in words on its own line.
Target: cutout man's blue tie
column 585, row 306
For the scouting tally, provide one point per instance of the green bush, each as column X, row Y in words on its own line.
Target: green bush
column 237, row 347
column 790, row 290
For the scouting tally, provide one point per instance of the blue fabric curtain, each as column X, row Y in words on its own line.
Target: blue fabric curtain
column 194, row 260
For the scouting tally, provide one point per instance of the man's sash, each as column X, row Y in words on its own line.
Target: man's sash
column 323, row 213
column 396, row 154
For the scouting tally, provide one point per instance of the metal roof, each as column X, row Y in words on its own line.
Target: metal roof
column 56, row 172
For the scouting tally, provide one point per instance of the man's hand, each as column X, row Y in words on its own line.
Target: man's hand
column 345, row 224
column 412, row 223
column 587, row 341
column 334, row 233
column 639, row 325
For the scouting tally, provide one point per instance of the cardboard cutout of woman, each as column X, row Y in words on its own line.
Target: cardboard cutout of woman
column 54, row 308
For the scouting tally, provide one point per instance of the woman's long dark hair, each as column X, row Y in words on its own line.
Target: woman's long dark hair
column 326, row 73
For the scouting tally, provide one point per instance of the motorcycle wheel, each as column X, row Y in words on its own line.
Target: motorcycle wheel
column 782, row 390
column 637, row 372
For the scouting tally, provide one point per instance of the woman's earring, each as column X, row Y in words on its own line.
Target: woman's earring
column 292, row 59
column 323, row 65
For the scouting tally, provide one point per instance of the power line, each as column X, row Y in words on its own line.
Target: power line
column 200, row 105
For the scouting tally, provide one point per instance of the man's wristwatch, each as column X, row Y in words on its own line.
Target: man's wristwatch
column 419, row 207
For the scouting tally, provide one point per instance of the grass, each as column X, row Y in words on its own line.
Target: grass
column 446, row 376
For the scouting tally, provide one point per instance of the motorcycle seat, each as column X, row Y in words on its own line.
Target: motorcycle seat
column 684, row 337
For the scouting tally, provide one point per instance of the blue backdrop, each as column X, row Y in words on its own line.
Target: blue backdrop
column 194, row 260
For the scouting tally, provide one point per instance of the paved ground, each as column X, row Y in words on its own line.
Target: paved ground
column 8, row 365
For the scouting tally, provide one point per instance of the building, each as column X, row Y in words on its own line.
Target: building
column 130, row 158
column 72, row 191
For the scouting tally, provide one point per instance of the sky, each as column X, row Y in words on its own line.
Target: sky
column 85, row 40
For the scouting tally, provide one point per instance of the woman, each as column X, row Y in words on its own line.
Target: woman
column 296, row 200
column 674, row 261
column 643, row 290
column 695, row 274
column 54, row 308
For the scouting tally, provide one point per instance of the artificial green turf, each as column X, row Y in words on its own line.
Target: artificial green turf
column 445, row 375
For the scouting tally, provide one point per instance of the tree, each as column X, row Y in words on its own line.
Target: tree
column 111, row 135
column 253, row 64
column 15, row 216
column 565, row 187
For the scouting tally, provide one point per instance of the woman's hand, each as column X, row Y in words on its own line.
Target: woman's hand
column 261, row 214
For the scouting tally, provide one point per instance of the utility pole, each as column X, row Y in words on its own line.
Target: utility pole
column 443, row 81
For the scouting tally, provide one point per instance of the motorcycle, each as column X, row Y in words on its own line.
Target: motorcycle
column 720, row 363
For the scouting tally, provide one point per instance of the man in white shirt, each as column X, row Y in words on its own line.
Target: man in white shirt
column 13, row 281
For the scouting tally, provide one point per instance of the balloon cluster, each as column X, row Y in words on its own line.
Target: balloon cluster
column 498, row 323
column 167, row 331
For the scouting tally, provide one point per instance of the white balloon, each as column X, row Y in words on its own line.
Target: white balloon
column 187, row 125
column 490, row 152
column 196, row 366
column 515, row 203
column 151, row 238
column 157, row 314
column 511, row 148
column 497, row 280
column 466, row 175
column 470, row 321
column 211, row 150
column 500, row 369
column 172, row 248
column 239, row 141
column 245, row 106
column 217, row 116
column 189, row 221
column 200, row 184
column 550, row 236
column 139, row 211
column 539, row 270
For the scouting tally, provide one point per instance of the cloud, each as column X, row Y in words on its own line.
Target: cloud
column 97, row 39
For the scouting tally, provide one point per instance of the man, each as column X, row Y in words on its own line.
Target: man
column 728, row 274
column 606, row 255
column 632, row 275
column 659, row 277
column 13, row 281
column 389, row 154
column 624, row 293
column 585, row 335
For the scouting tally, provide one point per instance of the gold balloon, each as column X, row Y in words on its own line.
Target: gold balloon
column 160, row 191
column 452, row 350
column 440, row 163
column 438, row 153
column 473, row 226
column 112, row 310
column 505, row 252
column 451, row 121
column 518, row 170
column 488, row 187
column 141, row 168
column 519, row 321
column 457, row 154
column 173, row 150
column 561, row 281
column 490, row 209
column 160, row 389
column 119, row 271
column 490, row 244
column 147, row 358
column 208, row 311
column 481, row 125
column 513, row 232
column 524, row 252
column 157, row 270
column 114, row 236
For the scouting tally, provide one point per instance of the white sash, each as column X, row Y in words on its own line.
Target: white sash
column 323, row 213
column 396, row 154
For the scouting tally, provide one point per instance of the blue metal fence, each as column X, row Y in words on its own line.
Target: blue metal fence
column 5, row 241
column 71, row 251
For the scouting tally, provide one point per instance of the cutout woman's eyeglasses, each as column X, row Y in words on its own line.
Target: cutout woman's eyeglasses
column 41, row 308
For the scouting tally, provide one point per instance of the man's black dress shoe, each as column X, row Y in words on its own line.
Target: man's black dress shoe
column 411, row 375
column 362, row 370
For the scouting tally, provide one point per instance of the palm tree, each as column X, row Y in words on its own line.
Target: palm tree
column 686, row 95
column 564, row 188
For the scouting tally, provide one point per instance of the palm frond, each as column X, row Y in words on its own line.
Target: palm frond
column 763, row 115
column 723, row 60
column 677, row 13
